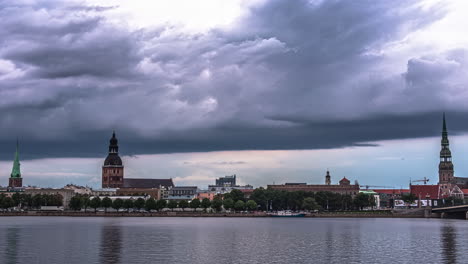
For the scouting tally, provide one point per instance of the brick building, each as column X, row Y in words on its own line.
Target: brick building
column 113, row 169
column 344, row 186
column 156, row 188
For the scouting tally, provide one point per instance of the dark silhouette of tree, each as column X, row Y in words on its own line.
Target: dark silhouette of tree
column 139, row 203
column 195, row 203
column 217, row 204
column 228, row 204
column 205, row 204
column 150, row 204
column 128, row 204
column 183, row 204
column 251, row 205
column 239, row 205
column 117, row 204
column 95, row 203
column 161, row 204
column 172, row 204
column 106, row 203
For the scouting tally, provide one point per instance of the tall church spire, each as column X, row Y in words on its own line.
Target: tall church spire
column 445, row 154
column 444, row 126
column 446, row 173
column 15, row 180
column 16, row 172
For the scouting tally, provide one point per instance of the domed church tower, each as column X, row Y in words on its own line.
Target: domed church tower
column 113, row 170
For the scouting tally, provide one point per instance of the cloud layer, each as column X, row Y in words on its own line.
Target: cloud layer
column 283, row 75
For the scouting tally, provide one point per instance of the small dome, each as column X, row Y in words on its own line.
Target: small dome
column 113, row 160
column 344, row 181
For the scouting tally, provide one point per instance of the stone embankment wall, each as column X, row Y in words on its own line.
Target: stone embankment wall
column 133, row 214
column 414, row 213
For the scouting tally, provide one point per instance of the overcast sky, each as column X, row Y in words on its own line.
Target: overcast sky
column 270, row 90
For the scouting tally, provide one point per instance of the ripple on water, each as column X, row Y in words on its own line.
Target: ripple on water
column 231, row 240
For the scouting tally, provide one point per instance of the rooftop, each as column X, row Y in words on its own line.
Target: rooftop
column 147, row 183
column 423, row 190
column 391, row 191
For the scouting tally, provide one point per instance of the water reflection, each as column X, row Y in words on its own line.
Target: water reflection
column 111, row 244
column 231, row 240
column 329, row 243
column 449, row 246
column 12, row 239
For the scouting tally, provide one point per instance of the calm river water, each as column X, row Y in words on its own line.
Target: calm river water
column 231, row 240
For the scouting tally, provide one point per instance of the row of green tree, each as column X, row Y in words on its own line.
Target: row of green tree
column 28, row 201
column 276, row 200
column 260, row 199
column 84, row 202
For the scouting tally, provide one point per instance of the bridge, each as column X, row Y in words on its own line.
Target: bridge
column 458, row 212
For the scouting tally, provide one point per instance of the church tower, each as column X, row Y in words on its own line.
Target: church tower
column 328, row 178
column 113, row 170
column 446, row 176
column 15, row 177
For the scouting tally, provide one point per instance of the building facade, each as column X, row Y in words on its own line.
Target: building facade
column 154, row 193
column 226, row 181
column 82, row 190
column 153, row 187
column 187, row 193
column 226, row 184
column 206, row 194
column 104, row 192
column 344, row 187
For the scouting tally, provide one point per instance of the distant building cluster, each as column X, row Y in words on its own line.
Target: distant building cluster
column 343, row 187
column 114, row 183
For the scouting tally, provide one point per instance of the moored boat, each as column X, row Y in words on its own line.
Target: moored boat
column 286, row 214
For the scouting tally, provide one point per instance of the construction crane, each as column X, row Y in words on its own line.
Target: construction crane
column 375, row 186
column 425, row 180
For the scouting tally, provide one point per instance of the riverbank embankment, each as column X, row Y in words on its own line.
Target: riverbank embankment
column 355, row 214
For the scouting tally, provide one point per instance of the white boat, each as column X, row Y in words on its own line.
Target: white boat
column 287, row 213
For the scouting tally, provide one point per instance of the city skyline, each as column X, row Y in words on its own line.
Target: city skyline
column 210, row 174
column 269, row 90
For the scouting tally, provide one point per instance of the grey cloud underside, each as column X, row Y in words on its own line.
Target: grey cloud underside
column 305, row 134
column 291, row 75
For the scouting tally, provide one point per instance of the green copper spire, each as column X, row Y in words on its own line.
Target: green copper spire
column 15, row 172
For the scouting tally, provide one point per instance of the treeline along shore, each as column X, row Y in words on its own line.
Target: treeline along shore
column 260, row 200
column 349, row 214
column 261, row 203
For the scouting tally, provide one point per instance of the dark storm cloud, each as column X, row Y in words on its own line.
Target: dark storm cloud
column 73, row 48
column 291, row 75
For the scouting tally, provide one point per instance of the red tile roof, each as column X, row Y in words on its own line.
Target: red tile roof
column 465, row 191
column 423, row 190
column 391, row 191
